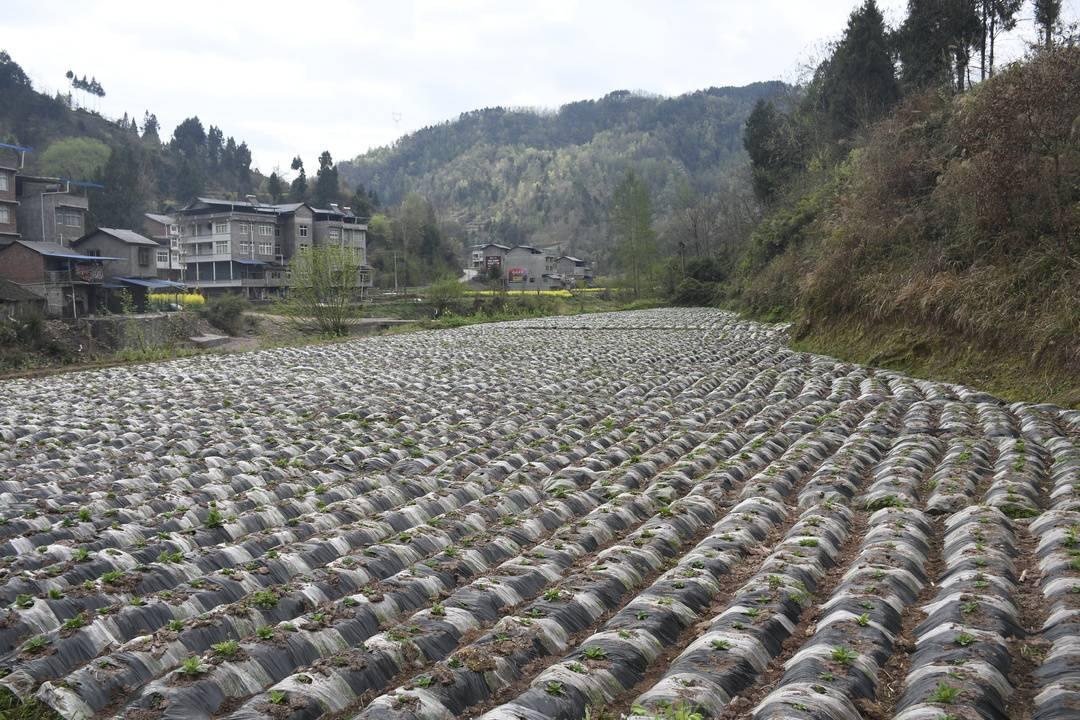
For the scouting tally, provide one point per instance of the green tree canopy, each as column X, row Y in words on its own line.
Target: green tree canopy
column 79, row 158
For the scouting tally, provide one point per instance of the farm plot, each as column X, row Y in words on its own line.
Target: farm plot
column 650, row 514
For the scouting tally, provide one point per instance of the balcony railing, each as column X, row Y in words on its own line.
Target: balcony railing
column 57, row 276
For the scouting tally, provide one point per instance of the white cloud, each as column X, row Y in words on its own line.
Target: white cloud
column 331, row 74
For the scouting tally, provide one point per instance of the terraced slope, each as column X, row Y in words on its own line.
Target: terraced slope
column 641, row 514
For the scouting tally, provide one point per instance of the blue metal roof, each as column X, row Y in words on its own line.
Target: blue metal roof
column 250, row 262
column 59, row 251
column 83, row 183
column 149, row 282
column 20, row 148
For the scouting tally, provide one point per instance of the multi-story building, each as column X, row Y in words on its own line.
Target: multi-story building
column 247, row 245
column 165, row 231
column 51, row 209
column 12, row 158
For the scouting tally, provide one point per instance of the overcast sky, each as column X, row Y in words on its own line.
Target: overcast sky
column 347, row 75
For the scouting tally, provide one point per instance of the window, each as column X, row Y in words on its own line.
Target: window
column 221, row 247
column 221, row 228
column 93, row 253
column 266, row 248
column 5, row 216
column 70, row 219
column 245, row 247
column 144, row 256
column 244, row 229
column 4, row 182
column 163, row 257
column 266, row 230
column 174, row 229
column 277, row 231
column 301, row 230
column 334, row 233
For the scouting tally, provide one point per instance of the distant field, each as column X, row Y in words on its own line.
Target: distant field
column 663, row 513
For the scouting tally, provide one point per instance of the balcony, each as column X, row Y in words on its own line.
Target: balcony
column 56, row 277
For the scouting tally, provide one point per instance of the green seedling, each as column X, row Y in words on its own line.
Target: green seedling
column 844, row 656
column 944, row 694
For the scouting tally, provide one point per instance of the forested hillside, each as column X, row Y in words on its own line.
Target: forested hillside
column 141, row 170
column 916, row 219
column 549, row 178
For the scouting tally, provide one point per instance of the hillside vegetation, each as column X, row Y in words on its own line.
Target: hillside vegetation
column 946, row 240
column 140, row 171
column 548, row 178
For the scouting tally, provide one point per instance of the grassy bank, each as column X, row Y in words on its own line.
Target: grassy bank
column 943, row 240
column 934, row 355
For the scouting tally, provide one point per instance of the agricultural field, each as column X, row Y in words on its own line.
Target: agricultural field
column 653, row 514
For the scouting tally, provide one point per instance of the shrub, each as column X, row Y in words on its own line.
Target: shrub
column 691, row 292
column 445, row 296
column 226, row 313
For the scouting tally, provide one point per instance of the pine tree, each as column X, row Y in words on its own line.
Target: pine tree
column 859, row 83
column 125, row 196
column 274, row 187
column 150, row 127
column 326, row 182
column 298, row 189
column 997, row 16
column 936, row 42
column 771, row 143
column 1047, row 17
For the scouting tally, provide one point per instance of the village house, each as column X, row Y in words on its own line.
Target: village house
column 71, row 283
column 52, row 209
column 524, row 267
column 135, row 267
column 18, row 302
column 246, row 246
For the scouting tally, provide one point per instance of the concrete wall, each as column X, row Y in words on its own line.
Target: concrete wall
column 37, row 214
column 140, row 331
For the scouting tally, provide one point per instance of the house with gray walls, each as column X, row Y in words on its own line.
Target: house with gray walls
column 51, row 209
column 246, row 246
column 133, row 267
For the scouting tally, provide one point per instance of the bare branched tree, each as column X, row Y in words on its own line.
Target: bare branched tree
column 324, row 289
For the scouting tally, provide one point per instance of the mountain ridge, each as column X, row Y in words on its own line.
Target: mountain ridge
column 522, row 175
